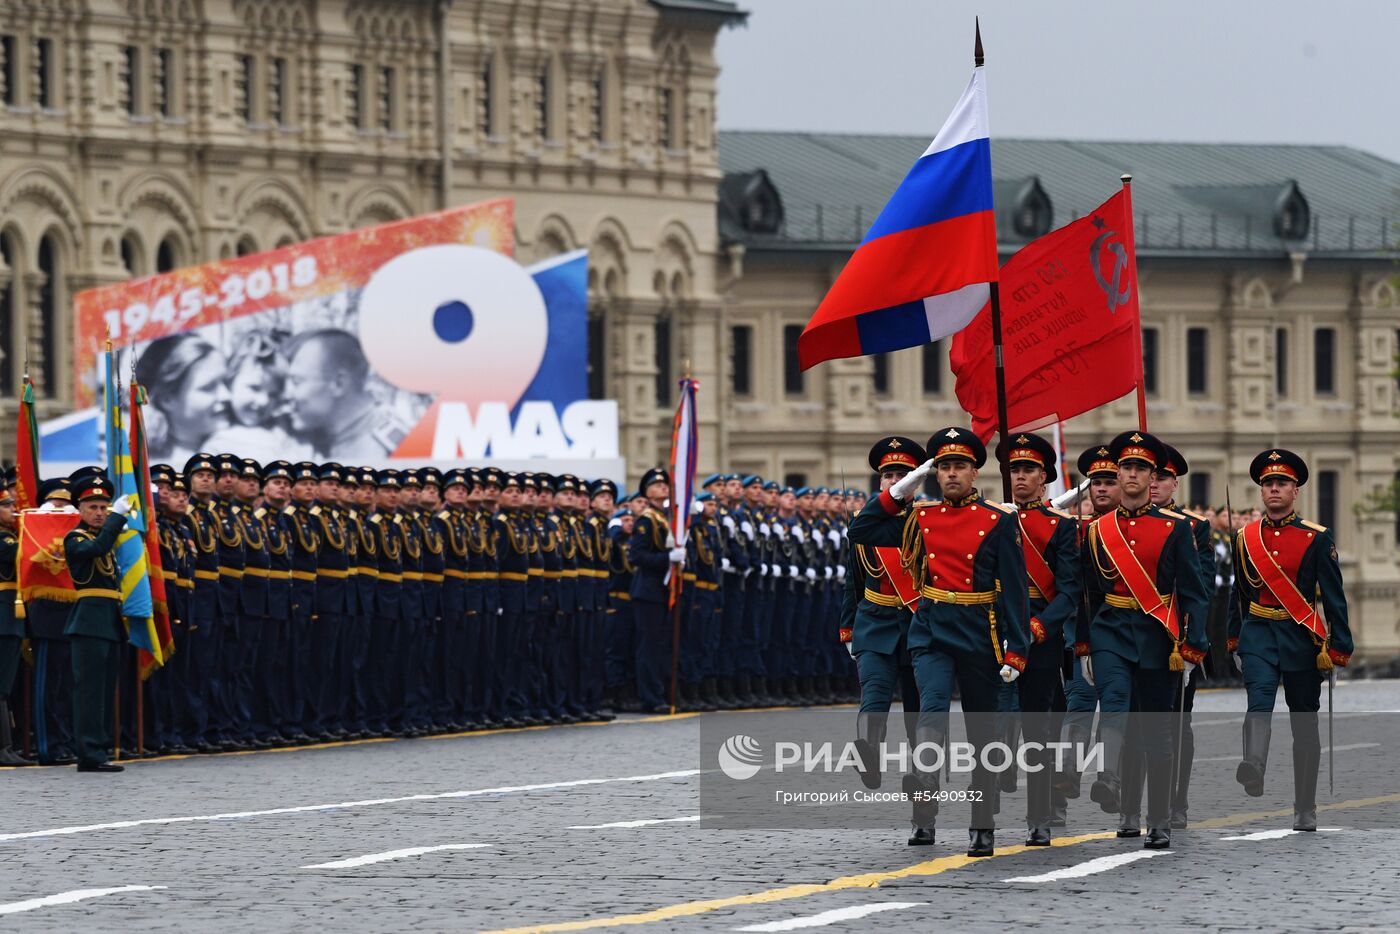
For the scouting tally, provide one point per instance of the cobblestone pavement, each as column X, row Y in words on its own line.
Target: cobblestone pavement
column 503, row 830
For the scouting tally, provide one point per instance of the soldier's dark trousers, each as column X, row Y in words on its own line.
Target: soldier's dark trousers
column 653, row 652
column 731, row 630
column 777, row 634
column 53, row 695
column 301, row 648
column 1124, row 686
column 979, row 683
column 9, row 662
column 690, row 665
column 95, row 668
column 479, row 655
column 880, row 674
column 354, row 703
column 748, row 653
column 380, row 676
column 621, row 628
column 271, row 679
column 1038, row 688
column 246, row 704
column 554, row 629
column 324, row 704
column 1184, row 738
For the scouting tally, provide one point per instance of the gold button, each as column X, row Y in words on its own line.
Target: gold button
column 1309, row 535
column 1053, row 521
column 1277, row 534
column 981, row 532
column 944, row 509
column 1130, row 542
column 1131, row 522
column 969, row 557
column 932, row 555
column 967, row 580
column 1276, row 552
column 974, row 508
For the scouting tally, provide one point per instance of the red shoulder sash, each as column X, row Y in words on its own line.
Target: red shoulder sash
column 1142, row 587
column 902, row 580
column 1273, row 576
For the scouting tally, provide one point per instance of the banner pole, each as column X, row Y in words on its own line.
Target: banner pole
column 676, row 571
column 140, row 709
column 1002, row 427
column 1131, row 237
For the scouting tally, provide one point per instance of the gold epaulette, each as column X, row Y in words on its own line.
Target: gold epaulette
column 1168, row 512
column 999, row 507
column 443, row 515
column 1193, row 515
column 315, row 510
column 189, row 509
column 1313, row 525
column 289, row 510
column 376, row 518
column 1059, row 512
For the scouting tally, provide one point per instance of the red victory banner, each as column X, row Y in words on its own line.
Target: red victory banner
column 1070, row 326
column 43, row 569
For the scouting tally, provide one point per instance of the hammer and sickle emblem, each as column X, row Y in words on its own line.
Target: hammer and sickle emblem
column 1116, row 295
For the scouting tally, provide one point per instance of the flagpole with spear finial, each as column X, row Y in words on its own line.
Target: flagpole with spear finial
column 1003, row 429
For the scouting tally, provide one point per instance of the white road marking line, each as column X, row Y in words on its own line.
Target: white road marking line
column 830, row 917
column 635, row 823
column 393, row 854
column 1346, row 748
column 1277, row 834
column 1101, row 864
column 344, row 805
column 68, row 898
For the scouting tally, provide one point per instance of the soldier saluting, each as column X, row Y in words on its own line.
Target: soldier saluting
column 1284, row 567
column 95, row 629
column 971, row 626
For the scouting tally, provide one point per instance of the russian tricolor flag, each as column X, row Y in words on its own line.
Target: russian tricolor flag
column 921, row 272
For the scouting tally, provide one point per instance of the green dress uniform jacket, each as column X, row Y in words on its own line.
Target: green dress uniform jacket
column 98, row 610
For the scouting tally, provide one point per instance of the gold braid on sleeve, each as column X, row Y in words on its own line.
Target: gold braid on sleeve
column 911, row 551
column 1110, row 572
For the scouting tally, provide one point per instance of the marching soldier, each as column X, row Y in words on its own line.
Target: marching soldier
column 513, row 540
column 460, row 637
column 363, row 665
column 385, row 693
column 971, row 624
column 1164, row 486
column 1285, row 566
column 1081, row 700
column 621, row 659
column 409, row 651
column 1051, row 549
column 1146, row 624
column 436, row 638
column 95, row 628
column 602, row 495
column 874, row 627
column 653, row 552
column 250, row 703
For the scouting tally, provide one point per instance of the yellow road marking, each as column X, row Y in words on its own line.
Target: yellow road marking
column 868, row 880
column 931, row 867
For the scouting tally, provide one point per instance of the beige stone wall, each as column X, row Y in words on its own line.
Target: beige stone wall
column 241, row 125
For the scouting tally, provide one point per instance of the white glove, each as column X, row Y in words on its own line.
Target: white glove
column 676, row 555
column 906, row 487
column 800, row 533
column 696, row 507
column 614, row 523
column 747, row 572
column 763, row 527
column 792, row 571
column 1190, row 667
column 840, row 572
column 747, row 527
column 827, row 572
column 811, row 574
column 834, row 537
column 1009, row 674
column 121, row 505
column 762, row 570
column 729, row 524
column 500, row 611
column 1239, row 662
column 1086, row 668
column 781, row 529
column 851, row 647
column 724, row 564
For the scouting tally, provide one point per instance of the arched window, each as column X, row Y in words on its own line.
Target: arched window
column 597, row 355
column 246, row 245
column 167, row 256
column 131, row 256
column 663, row 360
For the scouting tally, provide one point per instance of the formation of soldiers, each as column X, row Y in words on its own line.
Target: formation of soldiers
column 1023, row 607
column 319, row 602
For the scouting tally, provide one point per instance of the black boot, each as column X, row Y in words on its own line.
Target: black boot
column 709, row 694
column 981, row 843
column 1059, row 809
column 870, row 733
column 1307, row 755
column 1068, row 780
column 1105, row 790
column 1038, row 836
column 1134, row 774
column 1250, row 773
column 1158, row 838
column 920, row 836
column 8, row 755
column 743, row 693
column 728, row 700
column 1182, row 787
